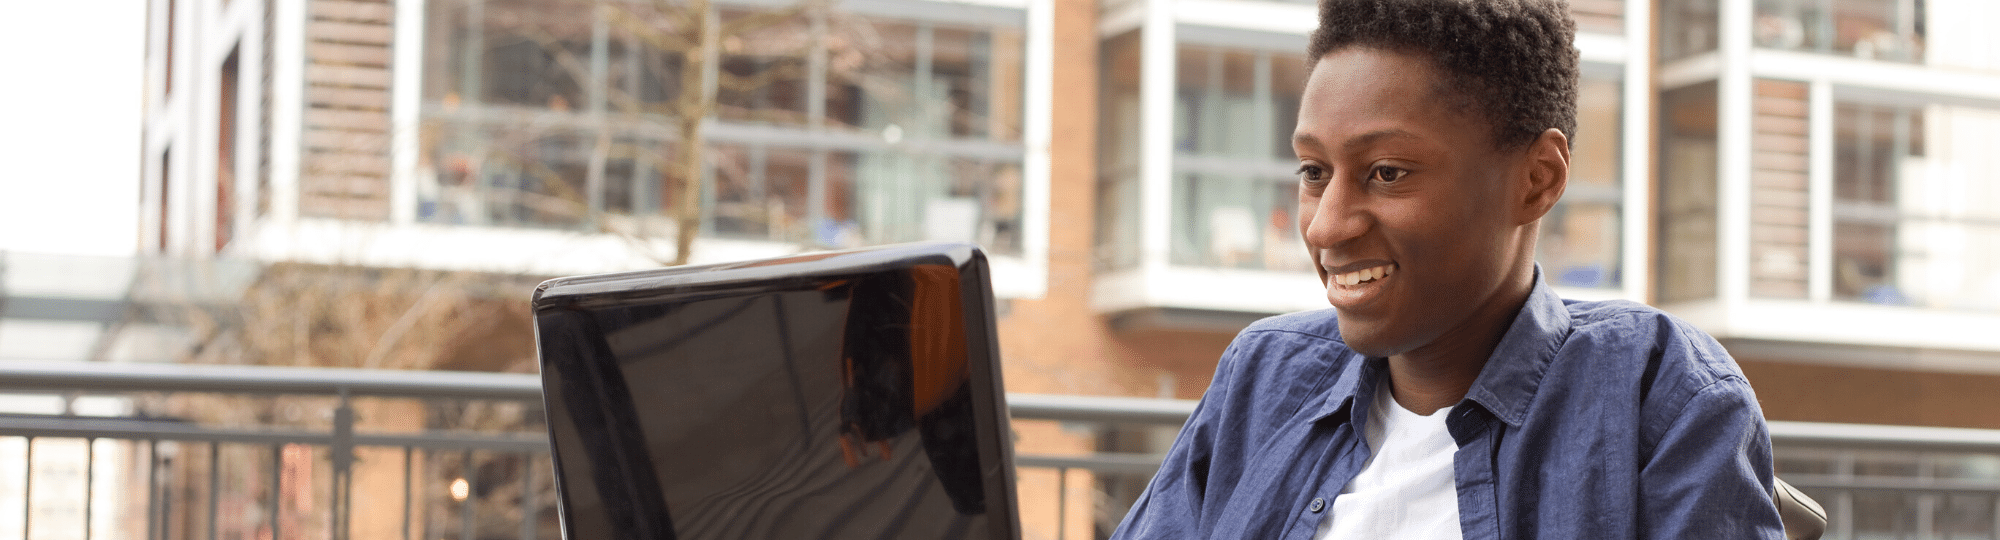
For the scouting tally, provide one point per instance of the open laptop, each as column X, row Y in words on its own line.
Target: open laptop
column 852, row 394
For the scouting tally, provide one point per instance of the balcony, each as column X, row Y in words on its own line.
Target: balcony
column 191, row 451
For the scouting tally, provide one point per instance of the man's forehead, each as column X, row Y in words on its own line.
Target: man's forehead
column 1401, row 88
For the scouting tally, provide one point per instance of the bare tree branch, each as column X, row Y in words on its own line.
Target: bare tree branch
column 625, row 20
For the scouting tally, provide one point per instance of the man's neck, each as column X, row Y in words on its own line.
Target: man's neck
column 1432, row 378
column 1424, row 388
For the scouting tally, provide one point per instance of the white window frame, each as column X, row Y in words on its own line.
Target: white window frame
column 403, row 242
column 1734, row 313
column 1154, row 282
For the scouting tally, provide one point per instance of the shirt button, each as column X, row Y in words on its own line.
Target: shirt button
column 1317, row 505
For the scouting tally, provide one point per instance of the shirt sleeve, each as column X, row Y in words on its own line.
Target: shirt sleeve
column 1710, row 474
column 1173, row 503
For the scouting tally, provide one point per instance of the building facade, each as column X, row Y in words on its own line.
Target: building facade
column 1811, row 181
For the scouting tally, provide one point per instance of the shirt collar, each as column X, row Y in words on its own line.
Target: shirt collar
column 1505, row 386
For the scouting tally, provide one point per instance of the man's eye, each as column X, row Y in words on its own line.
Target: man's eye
column 1311, row 173
column 1388, row 174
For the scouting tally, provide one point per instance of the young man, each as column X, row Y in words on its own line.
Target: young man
column 1450, row 393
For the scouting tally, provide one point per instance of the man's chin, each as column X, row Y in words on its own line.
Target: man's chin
column 1367, row 339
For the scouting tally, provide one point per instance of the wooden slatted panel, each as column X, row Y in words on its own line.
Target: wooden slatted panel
column 350, row 32
column 345, row 170
column 352, row 11
column 348, row 54
column 347, row 98
column 347, row 141
column 318, row 74
column 337, row 207
column 1778, row 198
column 347, row 120
column 341, row 184
column 355, row 163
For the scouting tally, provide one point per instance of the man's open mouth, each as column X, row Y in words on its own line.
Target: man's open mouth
column 1363, row 275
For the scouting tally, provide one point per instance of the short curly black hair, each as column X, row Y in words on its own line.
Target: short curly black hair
column 1510, row 60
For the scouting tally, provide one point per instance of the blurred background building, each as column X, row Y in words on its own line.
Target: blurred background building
column 1811, row 181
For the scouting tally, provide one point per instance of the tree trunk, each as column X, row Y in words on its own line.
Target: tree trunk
column 697, row 101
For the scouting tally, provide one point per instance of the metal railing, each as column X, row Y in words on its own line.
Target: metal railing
column 171, row 426
column 172, row 451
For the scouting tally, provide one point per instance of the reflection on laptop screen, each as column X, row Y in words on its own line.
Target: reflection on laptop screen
column 844, row 395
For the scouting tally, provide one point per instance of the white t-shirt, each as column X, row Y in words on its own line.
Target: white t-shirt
column 1406, row 489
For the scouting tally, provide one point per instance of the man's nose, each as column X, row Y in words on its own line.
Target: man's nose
column 1338, row 216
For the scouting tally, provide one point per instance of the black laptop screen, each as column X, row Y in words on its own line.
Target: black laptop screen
column 849, row 395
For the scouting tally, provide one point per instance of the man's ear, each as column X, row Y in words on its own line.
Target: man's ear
column 1547, row 163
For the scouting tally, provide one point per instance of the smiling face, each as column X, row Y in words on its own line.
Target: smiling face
column 1423, row 230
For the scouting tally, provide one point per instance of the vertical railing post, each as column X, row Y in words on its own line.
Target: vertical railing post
column 409, row 499
column 214, row 487
column 1062, row 503
column 465, row 525
column 89, row 482
column 529, row 523
column 277, row 489
column 343, row 464
column 28, row 490
column 155, row 513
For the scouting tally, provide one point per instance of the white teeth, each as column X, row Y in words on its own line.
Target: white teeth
column 1364, row 275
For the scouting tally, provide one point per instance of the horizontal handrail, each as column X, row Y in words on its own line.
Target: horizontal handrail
column 1100, row 409
column 86, row 427
column 1880, row 436
column 128, row 377
column 88, row 377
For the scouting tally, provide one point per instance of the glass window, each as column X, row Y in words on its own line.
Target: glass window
column 964, row 82
column 1580, row 238
column 902, row 197
column 1118, row 152
column 759, row 192
column 943, row 103
column 763, row 74
column 1687, row 213
column 918, row 136
column 1890, row 30
column 1688, row 28
column 506, row 176
column 1234, row 192
column 1916, row 211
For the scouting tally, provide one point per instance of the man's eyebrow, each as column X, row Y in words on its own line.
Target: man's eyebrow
column 1355, row 143
column 1372, row 137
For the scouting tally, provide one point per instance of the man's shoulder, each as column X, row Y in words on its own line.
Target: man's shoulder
column 1672, row 352
column 1318, row 324
column 1634, row 325
column 1288, row 357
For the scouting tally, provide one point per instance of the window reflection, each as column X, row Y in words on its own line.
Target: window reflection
column 1916, row 214
column 1118, row 152
column 1688, row 28
column 1234, row 193
column 566, row 118
column 1687, row 213
column 1580, row 238
column 1890, row 30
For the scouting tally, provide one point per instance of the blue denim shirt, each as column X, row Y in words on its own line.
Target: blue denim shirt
column 1592, row 420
